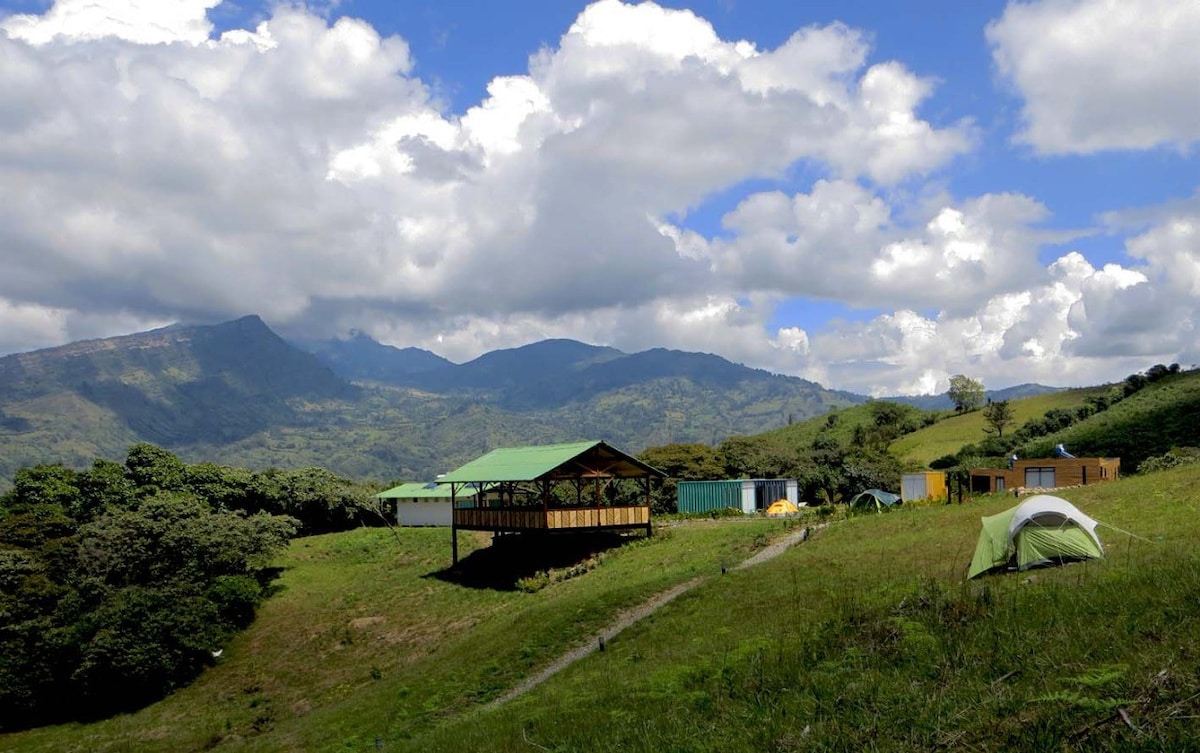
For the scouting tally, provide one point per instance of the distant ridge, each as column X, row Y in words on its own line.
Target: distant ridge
column 943, row 401
column 237, row 393
column 172, row 386
column 359, row 357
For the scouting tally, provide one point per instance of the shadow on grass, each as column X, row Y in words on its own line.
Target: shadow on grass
column 512, row 557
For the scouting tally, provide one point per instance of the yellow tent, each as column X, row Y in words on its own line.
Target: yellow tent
column 782, row 508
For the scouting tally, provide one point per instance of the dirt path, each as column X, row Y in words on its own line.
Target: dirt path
column 772, row 551
column 643, row 610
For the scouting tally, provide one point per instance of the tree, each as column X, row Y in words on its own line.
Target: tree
column 153, row 469
column 681, row 462
column 965, row 392
column 998, row 415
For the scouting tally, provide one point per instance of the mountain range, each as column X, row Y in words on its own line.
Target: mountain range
column 238, row 393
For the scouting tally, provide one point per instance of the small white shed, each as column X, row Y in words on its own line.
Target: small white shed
column 428, row 504
column 420, row 504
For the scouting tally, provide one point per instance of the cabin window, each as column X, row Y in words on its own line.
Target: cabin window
column 1043, row 477
column 999, row 483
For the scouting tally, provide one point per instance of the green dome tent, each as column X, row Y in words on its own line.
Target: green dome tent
column 1042, row 530
column 876, row 498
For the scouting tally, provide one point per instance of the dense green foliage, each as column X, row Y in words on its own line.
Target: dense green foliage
column 1174, row 458
column 1157, row 411
column 118, row 582
column 681, row 462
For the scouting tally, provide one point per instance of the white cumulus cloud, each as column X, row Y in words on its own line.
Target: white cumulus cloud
column 1102, row 74
column 153, row 171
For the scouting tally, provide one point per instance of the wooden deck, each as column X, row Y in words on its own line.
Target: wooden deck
column 558, row 519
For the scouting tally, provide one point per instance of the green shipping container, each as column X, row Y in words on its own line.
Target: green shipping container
column 705, row 496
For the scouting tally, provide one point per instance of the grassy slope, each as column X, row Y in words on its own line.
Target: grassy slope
column 362, row 642
column 1162, row 415
column 867, row 637
column 802, row 434
column 948, row 435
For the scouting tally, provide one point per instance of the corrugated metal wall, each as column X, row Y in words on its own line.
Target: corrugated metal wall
column 703, row 496
column 747, row 495
column 766, row 492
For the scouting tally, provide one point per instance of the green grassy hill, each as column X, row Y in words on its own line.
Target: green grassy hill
column 838, row 423
column 948, row 435
column 865, row 637
column 1162, row 415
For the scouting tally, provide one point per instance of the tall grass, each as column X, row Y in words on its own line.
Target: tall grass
column 868, row 638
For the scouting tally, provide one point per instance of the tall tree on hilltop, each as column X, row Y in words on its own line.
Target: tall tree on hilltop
column 966, row 393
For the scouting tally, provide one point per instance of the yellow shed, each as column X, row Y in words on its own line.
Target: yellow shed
column 924, row 485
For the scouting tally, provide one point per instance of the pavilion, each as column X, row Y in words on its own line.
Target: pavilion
column 561, row 488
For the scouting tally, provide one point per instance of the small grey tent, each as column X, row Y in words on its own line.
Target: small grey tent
column 1042, row 530
column 876, row 498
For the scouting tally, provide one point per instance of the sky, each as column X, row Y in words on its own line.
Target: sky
column 875, row 196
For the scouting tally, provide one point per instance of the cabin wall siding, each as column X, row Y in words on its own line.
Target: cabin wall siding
column 1067, row 472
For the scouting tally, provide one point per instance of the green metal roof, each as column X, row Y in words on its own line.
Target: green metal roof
column 533, row 463
column 416, row 491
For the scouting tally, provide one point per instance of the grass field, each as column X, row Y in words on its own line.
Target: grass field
column 948, row 435
column 866, row 637
column 367, row 639
column 803, row 433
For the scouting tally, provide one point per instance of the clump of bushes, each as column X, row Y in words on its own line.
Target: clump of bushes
column 542, row 578
column 1174, row 458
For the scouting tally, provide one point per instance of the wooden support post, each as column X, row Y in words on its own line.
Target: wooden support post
column 596, row 485
column 649, row 496
column 453, row 523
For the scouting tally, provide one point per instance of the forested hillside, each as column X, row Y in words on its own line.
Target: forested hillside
column 236, row 393
column 122, row 582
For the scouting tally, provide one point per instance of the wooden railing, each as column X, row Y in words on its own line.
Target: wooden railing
column 518, row 519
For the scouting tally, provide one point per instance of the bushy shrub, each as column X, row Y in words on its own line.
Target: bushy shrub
column 944, row 462
column 1175, row 457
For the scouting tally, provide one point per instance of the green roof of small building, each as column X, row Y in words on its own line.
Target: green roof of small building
column 416, row 491
column 534, row 463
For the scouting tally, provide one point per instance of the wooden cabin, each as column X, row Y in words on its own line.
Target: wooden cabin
column 562, row 488
column 1045, row 473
